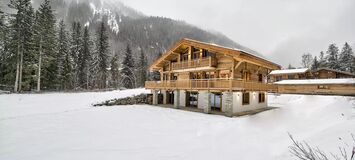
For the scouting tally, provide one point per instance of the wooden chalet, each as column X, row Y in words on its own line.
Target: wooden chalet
column 211, row 77
column 326, row 73
column 289, row 74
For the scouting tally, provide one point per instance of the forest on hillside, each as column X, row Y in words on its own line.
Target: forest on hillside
column 73, row 26
column 37, row 53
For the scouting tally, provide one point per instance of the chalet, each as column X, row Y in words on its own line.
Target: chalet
column 326, row 73
column 345, row 86
column 278, row 75
column 211, row 77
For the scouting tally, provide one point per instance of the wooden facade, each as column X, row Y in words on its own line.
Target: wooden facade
column 197, row 65
column 289, row 74
column 326, row 73
column 318, row 89
column 208, row 76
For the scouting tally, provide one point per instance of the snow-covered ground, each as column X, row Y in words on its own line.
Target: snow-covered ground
column 62, row 126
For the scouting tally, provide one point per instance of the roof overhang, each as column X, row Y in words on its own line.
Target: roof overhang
column 237, row 54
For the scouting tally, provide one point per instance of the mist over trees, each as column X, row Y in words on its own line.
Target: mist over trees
column 334, row 58
column 70, row 60
column 37, row 53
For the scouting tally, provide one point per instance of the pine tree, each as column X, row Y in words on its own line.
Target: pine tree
column 315, row 64
column 322, row 60
column 115, row 70
column 332, row 57
column 290, row 67
column 76, row 51
column 102, row 49
column 65, row 65
column 45, row 39
column 142, row 69
column 3, row 50
column 346, row 58
column 85, row 59
column 21, row 44
column 128, row 75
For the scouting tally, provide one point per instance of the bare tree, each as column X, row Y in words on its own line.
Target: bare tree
column 307, row 60
column 303, row 151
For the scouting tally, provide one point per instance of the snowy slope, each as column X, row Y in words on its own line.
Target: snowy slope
column 64, row 126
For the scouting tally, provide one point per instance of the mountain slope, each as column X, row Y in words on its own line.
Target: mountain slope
column 127, row 26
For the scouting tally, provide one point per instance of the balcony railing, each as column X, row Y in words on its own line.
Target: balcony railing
column 205, row 62
column 211, row 84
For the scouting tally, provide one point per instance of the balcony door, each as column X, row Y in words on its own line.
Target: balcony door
column 185, row 57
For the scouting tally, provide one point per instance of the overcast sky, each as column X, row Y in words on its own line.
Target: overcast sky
column 282, row 30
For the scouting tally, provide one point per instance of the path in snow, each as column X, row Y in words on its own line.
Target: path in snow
column 64, row 126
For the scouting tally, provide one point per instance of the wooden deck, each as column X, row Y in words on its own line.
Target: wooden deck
column 211, row 84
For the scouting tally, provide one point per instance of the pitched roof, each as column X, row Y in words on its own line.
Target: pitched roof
column 289, row 71
column 334, row 70
column 215, row 48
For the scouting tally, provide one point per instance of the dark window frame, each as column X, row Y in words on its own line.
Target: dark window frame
column 262, row 97
column 246, row 98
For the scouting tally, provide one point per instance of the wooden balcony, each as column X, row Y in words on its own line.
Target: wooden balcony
column 211, row 84
column 198, row 63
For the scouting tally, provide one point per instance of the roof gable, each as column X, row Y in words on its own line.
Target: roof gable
column 213, row 48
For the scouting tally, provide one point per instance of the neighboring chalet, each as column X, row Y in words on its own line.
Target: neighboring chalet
column 278, row 75
column 211, row 77
column 305, row 73
column 322, row 81
column 326, row 73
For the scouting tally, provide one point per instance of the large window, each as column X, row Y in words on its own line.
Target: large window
column 291, row 76
column 246, row 98
column 261, row 97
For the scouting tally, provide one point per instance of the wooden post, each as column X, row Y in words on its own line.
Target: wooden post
column 201, row 50
column 190, row 54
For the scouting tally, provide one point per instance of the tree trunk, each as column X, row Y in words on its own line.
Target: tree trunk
column 21, row 68
column 17, row 73
column 39, row 66
column 17, row 67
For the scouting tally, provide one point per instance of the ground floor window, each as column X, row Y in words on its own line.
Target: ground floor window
column 216, row 101
column 323, row 87
column 261, row 97
column 192, row 98
column 246, row 98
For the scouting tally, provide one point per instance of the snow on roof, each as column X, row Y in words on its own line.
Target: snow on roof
column 319, row 81
column 239, row 48
column 289, row 71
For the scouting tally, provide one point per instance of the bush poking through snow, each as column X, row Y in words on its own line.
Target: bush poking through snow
column 139, row 99
column 303, row 151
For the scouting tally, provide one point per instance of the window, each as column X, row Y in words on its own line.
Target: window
column 291, row 77
column 246, row 98
column 196, row 55
column 278, row 78
column 261, row 97
column 260, row 78
column 323, row 87
column 246, row 76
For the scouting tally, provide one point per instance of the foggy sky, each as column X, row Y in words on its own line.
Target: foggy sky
column 282, row 30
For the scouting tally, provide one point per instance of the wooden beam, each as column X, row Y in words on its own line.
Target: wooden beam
column 238, row 64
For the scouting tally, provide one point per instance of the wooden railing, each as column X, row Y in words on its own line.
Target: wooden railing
column 211, row 84
column 205, row 62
